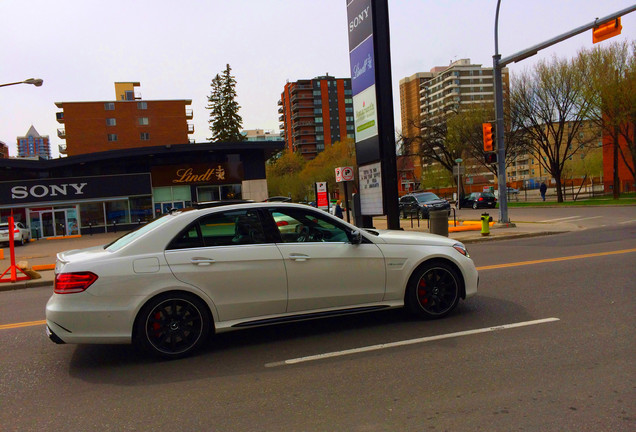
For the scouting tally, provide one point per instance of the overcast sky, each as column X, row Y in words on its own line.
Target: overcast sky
column 80, row 48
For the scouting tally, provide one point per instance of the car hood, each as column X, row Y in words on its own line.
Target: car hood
column 412, row 237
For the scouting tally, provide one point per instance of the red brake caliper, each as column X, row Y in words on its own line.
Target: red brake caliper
column 156, row 326
column 421, row 291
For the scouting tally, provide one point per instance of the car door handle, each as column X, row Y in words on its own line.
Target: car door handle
column 202, row 261
column 299, row 257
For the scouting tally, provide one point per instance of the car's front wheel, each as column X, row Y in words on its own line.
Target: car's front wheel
column 475, row 205
column 173, row 325
column 433, row 291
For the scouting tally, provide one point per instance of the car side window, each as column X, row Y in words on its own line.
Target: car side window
column 300, row 226
column 236, row 227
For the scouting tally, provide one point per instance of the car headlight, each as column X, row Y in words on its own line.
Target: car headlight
column 459, row 247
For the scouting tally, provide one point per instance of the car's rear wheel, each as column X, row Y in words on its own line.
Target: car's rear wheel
column 173, row 325
column 434, row 290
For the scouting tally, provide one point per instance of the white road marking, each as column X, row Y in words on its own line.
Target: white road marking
column 626, row 222
column 559, row 219
column 406, row 342
column 591, row 217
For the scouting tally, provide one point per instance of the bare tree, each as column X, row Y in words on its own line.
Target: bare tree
column 548, row 105
column 610, row 77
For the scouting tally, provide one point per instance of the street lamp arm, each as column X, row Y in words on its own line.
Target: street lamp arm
column 35, row 81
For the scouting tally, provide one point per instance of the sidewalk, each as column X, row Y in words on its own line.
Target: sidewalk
column 43, row 252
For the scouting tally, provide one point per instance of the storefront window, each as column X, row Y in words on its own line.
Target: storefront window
column 230, row 192
column 92, row 214
column 208, row 193
column 117, row 212
column 141, row 209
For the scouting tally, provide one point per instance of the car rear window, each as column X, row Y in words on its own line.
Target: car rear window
column 426, row 197
column 131, row 236
column 487, row 195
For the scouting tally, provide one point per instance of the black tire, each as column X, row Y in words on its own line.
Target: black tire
column 172, row 325
column 475, row 205
column 433, row 291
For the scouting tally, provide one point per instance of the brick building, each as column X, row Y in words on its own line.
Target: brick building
column 316, row 113
column 126, row 122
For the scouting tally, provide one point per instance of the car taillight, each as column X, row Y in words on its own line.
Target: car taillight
column 480, row 199
column 70, row 283
column 16, row 230
column 282, row 223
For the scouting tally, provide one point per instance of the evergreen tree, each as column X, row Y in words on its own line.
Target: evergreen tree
column 225, row 121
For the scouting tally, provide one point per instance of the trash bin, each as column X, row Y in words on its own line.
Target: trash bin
column 438, row 222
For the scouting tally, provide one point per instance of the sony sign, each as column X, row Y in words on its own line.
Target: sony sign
column 359, row 15
column 359, row 19
column 74, row 189
column 40, row 190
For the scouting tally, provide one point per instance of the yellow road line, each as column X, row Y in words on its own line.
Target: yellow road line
column 548, row 260
column 491, row 267
column 22, row 324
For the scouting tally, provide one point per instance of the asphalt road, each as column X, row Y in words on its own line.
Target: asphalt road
column 505, row 371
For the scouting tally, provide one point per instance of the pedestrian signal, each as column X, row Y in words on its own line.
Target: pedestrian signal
column 491, row 157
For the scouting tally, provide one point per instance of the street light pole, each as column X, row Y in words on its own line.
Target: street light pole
column 459, row 161
column 499, row 128
column 34, row 81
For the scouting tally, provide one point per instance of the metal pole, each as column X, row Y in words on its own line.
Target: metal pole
column 499, row 128
column 458, row 184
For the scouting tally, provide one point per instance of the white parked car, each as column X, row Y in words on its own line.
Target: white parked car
column 214, row 268
column 21, row 234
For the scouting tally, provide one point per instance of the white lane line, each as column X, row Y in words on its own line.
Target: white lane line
column 591, row 217
column 626, row 222
column 559, row 219
column 406, row 342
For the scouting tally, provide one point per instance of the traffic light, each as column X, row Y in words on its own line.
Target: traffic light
column 607, row 30
column 491, row 157
column 489, row 136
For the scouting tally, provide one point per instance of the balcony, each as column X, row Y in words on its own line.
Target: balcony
column 280, row 102
column 61, row 148
column 280, row 110
column 303, row 123
column 281, row 126
column 61, row 133
column 304, row 96
column 298, row 115
column 298, row 87
column 59, row 117
column 189, row 114
column 281, row 118
column 190, row 128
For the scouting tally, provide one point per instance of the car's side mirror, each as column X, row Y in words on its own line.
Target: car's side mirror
column 355, row 237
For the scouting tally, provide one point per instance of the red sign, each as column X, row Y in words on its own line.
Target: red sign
column 322, row 199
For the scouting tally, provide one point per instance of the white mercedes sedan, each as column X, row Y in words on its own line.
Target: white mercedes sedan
column 225, row 266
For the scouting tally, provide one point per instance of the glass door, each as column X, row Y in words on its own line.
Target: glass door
column 60, row 222
column 48, row 227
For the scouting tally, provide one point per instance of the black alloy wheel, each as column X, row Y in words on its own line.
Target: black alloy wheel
column 433, row 291
column 173, row 325
column 475, row 205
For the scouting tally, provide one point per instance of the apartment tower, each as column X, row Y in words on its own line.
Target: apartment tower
column 315, row 113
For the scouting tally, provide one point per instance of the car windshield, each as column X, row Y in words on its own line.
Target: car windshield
column 428, row 196
column 131, row 236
